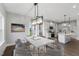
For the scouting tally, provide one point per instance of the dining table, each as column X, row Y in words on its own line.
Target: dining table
column 39, row 43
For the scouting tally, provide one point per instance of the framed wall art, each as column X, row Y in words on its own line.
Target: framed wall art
column 17, row 27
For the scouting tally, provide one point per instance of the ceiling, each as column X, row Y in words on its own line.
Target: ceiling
column 50, row 11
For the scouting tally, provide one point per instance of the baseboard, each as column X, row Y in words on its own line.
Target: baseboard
column 9, row 44
column 77, row 38
column 2, row 48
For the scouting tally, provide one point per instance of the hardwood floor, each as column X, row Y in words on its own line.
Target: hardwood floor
column 9, row 51
column 72, row 48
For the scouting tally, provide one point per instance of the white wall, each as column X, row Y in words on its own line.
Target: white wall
column 2, row 21
column 18, row 19
column 3, row 30
column 77, row 29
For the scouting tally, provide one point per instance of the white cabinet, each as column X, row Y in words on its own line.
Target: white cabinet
column 62, row 38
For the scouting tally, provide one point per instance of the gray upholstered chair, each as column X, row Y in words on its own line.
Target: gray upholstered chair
column 21, row 52
column 21, row 49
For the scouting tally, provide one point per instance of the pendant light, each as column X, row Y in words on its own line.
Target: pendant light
column 64, row 24
column 36, row 9
column 34, row 21
column 69, row 22
column 37, row 19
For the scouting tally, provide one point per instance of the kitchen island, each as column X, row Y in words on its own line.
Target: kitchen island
column 64, row 38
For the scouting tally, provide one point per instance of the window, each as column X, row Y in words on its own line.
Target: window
column 1, row 29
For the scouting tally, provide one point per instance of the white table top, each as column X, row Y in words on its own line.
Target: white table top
column 39, row 41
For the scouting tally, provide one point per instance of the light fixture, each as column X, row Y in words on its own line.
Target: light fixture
column 69, row 25
column 37, row 19
column 36, row 9
column 64, row 24
column 69, row 22
column 74, row 6
column 34, row 22
column 77, row 13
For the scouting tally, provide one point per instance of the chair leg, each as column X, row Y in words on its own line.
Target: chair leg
column 14, row 54
column 45, row 49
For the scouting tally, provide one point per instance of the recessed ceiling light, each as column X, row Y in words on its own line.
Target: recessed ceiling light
column 69, row 25
column 74, row 6
column 77, row 13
